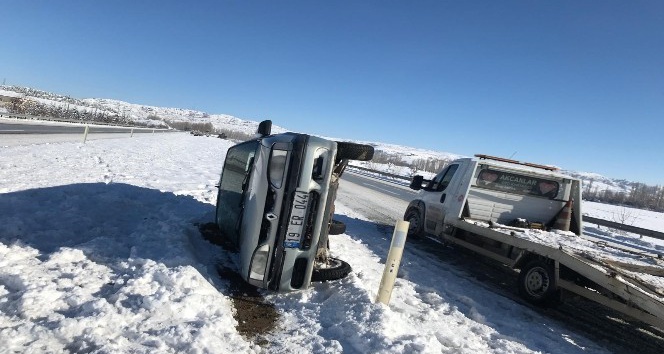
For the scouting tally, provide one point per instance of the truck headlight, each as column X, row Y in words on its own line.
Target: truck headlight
column 259, row 263
column 277, row 167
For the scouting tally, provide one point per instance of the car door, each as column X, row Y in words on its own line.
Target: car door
column 436, row 197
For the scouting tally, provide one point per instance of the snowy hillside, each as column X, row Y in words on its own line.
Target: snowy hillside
column 601, row 183
column 135, row 112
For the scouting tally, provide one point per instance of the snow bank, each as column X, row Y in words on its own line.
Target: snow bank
column 99, row 253
column 91, row 263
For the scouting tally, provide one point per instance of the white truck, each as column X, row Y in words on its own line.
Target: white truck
column 528, row 216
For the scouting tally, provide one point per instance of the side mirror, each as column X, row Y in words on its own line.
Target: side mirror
column 264, row 128
column 416, row 182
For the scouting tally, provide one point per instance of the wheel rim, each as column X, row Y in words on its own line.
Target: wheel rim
column 331, row 263
column 537, row 282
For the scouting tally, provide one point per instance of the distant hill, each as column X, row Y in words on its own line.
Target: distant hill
column 397, row 159
column 129, row 112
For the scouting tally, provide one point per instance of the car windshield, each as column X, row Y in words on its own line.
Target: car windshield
column 233, row 184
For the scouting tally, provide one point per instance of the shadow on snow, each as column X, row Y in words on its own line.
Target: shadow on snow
column 113, row 224
column 108, row 222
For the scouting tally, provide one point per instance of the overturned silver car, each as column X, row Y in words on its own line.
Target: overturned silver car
column 275, row 204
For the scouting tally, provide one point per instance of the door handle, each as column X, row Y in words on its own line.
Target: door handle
column 442, row 198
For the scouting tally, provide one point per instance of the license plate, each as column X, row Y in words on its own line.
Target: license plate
column 297, row 220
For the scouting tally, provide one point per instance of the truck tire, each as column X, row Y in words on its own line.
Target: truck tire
column 537, row 283
column 337, row 269
column 337, row 227
column 352, row 151
column 414, row 216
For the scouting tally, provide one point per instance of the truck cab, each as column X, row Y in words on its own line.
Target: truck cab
column 494, row 190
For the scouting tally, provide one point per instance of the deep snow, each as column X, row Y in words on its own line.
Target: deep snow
column 99, row 253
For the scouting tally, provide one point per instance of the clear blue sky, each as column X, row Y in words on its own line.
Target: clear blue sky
column 579, row 84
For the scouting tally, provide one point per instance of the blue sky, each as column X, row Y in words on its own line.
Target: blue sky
column 578, row 84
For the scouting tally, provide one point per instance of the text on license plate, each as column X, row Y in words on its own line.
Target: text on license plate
column 297, row 220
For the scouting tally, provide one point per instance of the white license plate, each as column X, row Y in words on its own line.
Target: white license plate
column 297, row 220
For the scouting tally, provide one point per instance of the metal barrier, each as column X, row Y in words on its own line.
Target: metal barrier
column 64, row 120
column 624, row 227
column 379, row 172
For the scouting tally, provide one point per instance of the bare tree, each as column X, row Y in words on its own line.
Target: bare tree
column 625, row 216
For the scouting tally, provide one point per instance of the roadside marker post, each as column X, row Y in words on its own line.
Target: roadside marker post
column 132, row 133
column 85, row 134
column 393, row 261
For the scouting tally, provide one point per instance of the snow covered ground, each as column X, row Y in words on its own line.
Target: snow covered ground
column 99, row 252
column 646, row 219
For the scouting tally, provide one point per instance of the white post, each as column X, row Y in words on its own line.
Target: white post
column 132, row 133
column 393, row 261
column 152, row 131
column 85, row 134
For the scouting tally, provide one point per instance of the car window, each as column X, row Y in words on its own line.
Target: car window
column 233, row 184
column 447, row 178
column 436, row 180
column 442, row 180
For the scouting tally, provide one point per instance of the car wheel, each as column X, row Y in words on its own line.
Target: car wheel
column 352, row 151
column 337, row 227
column 414, row 217
column 333, row 270
column 537, row 283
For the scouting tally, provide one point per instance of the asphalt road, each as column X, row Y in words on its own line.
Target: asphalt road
column 391, row 189
column 19, row 128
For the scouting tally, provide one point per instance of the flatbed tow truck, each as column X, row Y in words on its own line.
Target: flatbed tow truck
column 528, row 217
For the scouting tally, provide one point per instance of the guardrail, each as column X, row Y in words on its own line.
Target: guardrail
column 624, row 227
column 63, row 120
column 589, row 219
column 380, row 172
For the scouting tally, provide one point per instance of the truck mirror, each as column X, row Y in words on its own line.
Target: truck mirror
column 416, row 182
column 264, row 128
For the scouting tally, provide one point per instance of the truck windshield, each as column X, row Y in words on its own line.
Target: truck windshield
column 516, row 183
column 233, row 184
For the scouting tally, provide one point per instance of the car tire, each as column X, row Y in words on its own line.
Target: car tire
column 337, row 269
column 337, row 227
column 537, row 283
column 414, row 217
column 352, row 151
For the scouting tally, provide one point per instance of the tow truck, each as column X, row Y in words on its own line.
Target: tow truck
column 528, row 217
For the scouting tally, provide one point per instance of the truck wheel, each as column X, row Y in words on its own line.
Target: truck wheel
column 337, row 227
column 414, row 217
column 352, row 151
column 335, row 269
column 537, row 283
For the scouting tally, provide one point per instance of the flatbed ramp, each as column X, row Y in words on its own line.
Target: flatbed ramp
column 626, row 281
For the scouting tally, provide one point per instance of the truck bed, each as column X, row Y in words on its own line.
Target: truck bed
column 637, row 279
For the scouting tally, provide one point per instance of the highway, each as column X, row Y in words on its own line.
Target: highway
column 391, row 189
